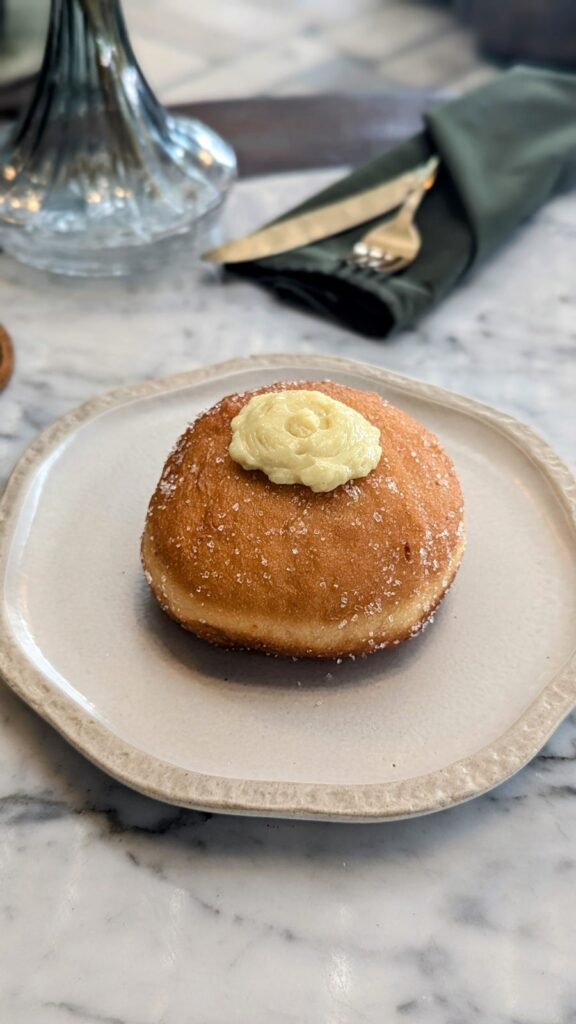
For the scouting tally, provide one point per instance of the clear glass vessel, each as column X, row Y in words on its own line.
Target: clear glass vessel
column 97, row 178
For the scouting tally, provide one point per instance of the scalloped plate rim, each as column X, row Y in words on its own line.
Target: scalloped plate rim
column 365, row 802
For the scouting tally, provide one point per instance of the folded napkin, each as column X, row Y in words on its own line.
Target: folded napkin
column 505, row 149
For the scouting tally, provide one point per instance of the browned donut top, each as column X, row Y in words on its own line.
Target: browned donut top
column 235, row 540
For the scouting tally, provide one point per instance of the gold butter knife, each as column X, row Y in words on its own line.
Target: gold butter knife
column 305, row 228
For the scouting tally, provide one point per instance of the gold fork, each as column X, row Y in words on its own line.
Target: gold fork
column 396, row 242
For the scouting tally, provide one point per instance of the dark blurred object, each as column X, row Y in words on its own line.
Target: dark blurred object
column 278, row 133
column 15, row 95
column 526, row 30
column 286, row 133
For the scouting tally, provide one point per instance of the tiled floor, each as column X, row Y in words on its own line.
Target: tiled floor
column 204, row 49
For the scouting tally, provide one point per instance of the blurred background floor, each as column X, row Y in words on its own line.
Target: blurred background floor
column 196, row 50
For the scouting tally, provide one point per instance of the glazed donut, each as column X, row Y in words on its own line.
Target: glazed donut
column 245, row 562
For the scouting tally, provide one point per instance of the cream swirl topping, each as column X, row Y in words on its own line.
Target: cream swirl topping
column 304, row 437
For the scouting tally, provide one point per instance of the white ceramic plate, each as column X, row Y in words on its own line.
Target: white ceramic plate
column 437, row 721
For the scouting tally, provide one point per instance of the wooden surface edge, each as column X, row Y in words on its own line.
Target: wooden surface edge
column 6, row 357
column 273, row 134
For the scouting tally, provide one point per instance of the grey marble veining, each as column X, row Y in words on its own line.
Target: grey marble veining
column 115, row 909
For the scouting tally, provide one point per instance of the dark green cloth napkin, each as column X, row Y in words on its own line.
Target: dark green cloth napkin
column 505, row 149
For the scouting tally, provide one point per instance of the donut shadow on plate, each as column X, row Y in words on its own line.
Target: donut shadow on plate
column 253, row 668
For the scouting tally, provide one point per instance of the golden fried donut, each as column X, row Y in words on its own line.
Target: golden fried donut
column 243, row 562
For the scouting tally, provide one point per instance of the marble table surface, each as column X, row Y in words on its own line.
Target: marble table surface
column 115, row 909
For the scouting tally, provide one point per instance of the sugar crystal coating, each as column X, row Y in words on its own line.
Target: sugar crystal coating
column 349, row 557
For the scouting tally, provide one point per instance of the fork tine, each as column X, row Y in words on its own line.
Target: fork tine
column 392, row 266
column 385, row 267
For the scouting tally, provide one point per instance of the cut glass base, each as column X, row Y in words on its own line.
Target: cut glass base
column 127, row 217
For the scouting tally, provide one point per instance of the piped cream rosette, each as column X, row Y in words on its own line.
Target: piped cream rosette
column 304, row 437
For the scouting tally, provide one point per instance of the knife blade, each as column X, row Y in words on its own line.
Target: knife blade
column 331, row 219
